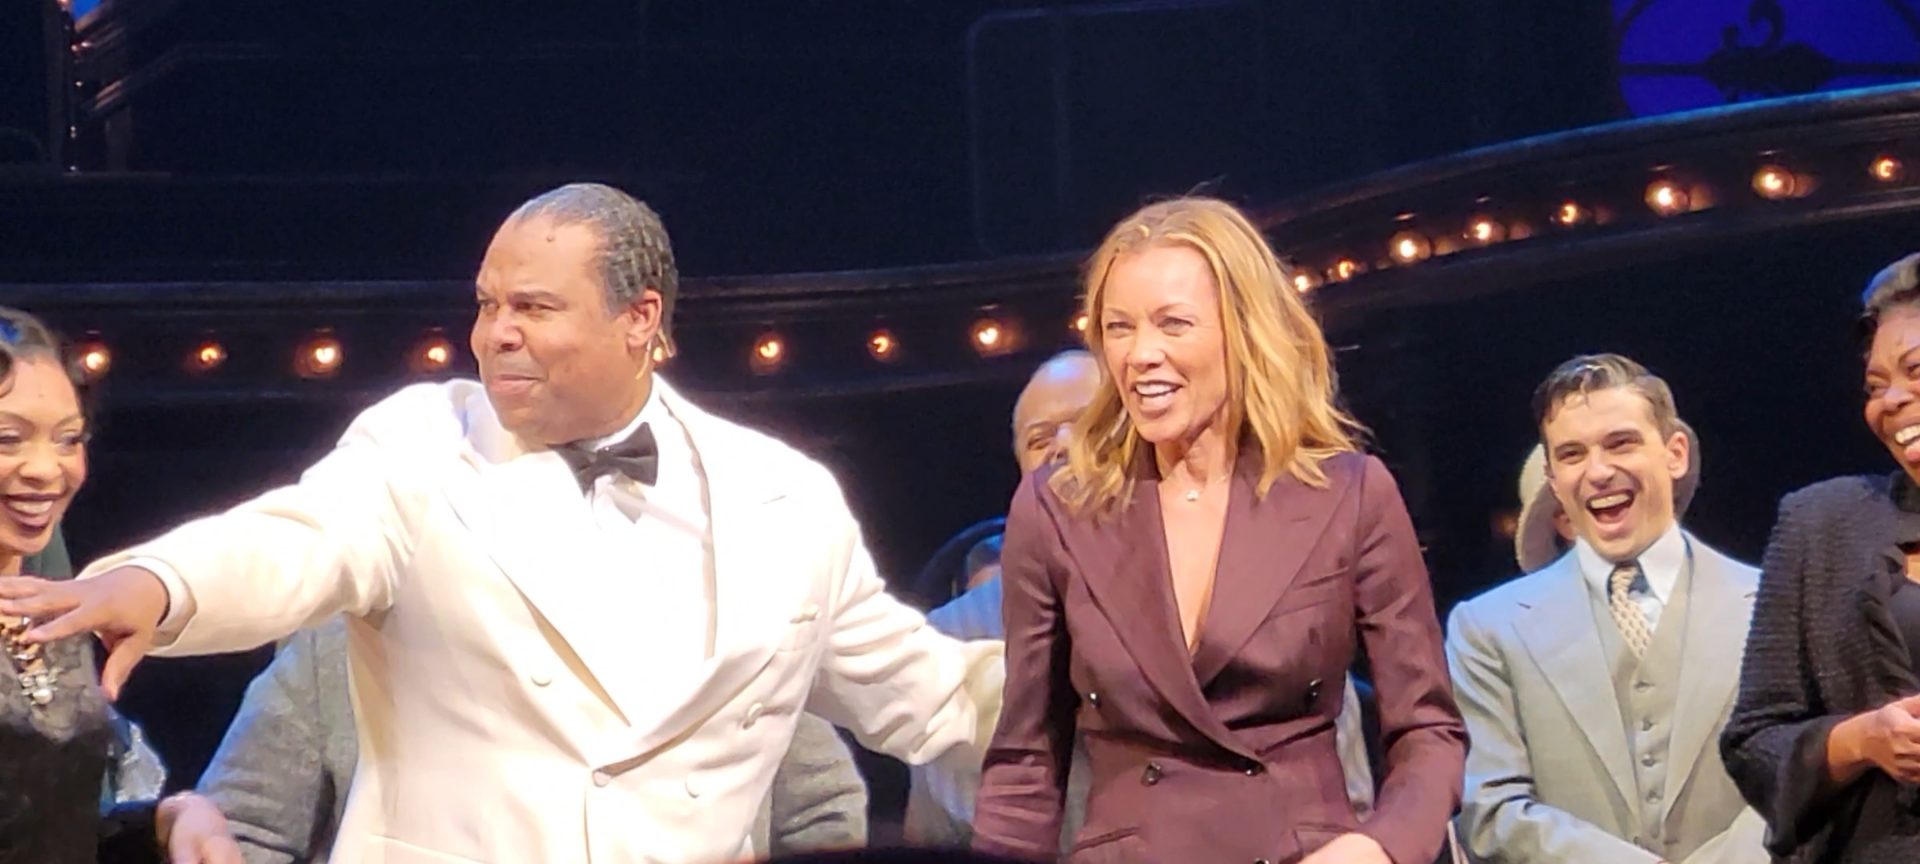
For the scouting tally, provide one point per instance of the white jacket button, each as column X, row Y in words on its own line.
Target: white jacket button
column 693, row 788
column 540, row 678
column 602, row 778
column 753, row 715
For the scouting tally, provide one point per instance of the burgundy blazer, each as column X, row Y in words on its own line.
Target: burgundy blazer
column 1225, row 754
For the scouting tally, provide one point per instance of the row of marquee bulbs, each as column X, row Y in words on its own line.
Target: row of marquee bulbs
column 1665, row 196
column 321, row 355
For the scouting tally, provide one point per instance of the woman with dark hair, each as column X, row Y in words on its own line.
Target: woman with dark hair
column 1823, row 740
column 57, row 734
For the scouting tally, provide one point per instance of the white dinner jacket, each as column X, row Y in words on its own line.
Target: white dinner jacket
column 505, row 713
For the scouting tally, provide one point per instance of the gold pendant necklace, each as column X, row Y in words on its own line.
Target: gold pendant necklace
column 29, row 661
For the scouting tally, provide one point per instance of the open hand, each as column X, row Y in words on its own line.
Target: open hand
column 122, row 606
column 194, row 831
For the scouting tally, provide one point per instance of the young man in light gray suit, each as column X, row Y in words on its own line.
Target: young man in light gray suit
column 1594, row 689
column 275, row 791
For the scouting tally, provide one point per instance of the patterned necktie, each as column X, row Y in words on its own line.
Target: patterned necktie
column 1627, row 613
column 637, row 457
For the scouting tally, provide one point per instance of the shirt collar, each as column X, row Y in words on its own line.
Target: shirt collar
column 650, row 412
column 1661, row 564
column 670, row 437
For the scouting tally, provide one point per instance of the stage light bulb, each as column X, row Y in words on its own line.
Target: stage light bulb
column 1485, row 230
column 882, row 345
column 206, row 357
column 1304, row 282
column 1666, row 198
column 1773, row 182
column 1569, row 214
column 1344, row 269
column 769, row 353
column 95, row 359
column 1080, row 323
column 1410, row 246
column 433, row 354
column 319, row 357
column 1887, row 169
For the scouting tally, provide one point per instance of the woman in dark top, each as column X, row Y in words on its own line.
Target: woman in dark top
column 55, row 728
column 1823, row 740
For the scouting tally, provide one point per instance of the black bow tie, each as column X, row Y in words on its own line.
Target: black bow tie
column 637, row 457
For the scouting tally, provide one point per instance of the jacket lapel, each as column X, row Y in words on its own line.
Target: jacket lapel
column 1884, row 563
column 525, row 510
column 751, row 611
column 1135, row 594
column 741, row 499
column 1719, row 608
column 1557, row 630
column 1265, row 544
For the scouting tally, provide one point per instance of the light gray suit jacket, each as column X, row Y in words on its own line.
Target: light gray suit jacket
column 1549, row 772
column 282, row 773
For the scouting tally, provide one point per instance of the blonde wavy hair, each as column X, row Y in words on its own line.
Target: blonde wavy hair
column 1282, row 396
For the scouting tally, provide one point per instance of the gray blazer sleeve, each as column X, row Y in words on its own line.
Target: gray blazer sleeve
column 268, row 776
column 1501, row 822
column 819, row 798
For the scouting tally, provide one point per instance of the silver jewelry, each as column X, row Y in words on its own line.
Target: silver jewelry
column 29, row 661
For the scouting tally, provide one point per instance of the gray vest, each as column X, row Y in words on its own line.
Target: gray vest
column 1646, row 692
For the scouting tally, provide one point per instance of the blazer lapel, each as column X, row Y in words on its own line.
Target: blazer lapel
column 1135, row 594
column 751, row 610
column 1719, row 608
column 1265, row 544
column 1558, row 633
column 524, row 509
column 740, row 497
column 1891, row 665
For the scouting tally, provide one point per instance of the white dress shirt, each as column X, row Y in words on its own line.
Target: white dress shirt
column 661, row 564
column 1660, row 567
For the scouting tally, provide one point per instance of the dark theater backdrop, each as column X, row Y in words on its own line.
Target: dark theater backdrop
column 260, row 216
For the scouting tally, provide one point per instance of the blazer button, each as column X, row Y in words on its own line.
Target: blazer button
column 541, row 678
column 1151, row 775
column 1255, row 769
column 753, row 715
column 693, row 788
column 602, row 778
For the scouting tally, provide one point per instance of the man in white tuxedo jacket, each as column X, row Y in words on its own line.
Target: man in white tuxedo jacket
column 586, row 613
column 1595, row 688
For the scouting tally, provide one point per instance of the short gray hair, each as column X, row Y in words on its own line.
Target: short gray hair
column 1896, row 286
column 635, row 254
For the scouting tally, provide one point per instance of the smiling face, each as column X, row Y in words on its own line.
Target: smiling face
column 559, row 366
column 1163, row 343
column 1046, row 408
column 1612, row 470
column 1893, row 386
column 43, row 453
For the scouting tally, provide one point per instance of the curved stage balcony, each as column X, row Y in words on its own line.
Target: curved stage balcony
column 1725, row 249
column 1462, row 229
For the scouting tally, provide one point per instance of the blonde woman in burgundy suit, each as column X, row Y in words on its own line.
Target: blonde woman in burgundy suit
column 1189, row 588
